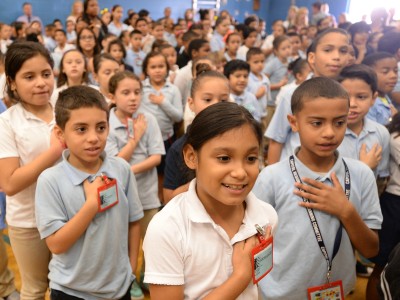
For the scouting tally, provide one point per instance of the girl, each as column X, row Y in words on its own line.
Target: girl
column 142, row 151
column 218, row 212
column 170, row 53
column 209, row 87
column 87, row 43
column 28, row 147
column 91, row 16
column 161, row 99
column 117, row 50
column 116, row 25
column 232, row 44
column 359, row 38
column 221, row 29
column 105, row 66
column 327, row 56
column 389, row 200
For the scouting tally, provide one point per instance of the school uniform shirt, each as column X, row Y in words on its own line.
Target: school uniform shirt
column 97, row 264
column 151, row 143
column 250, row 102
column 277, row 71
column 393, row 186
column 67, row 47
column 380, row 112
column 71, row 36
column 217, row 42
column 112, row 28
column 135, row 59
column 183, row 81
column 372, row 133
column 184, row 246
column 254, row 84
column 298, row 261
column 168, row 112
column 170, row 38
column 242, row 51
column 228, row 58
column 25, row 136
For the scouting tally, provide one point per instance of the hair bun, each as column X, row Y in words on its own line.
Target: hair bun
column 202, row 68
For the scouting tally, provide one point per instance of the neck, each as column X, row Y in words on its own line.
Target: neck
column 316, row 163
column 122, row 116
column 74, row 81
column 356, row 128
column 236, row 93
column 88, row 53
column 381, row 94
column 84, row 166
column 283, row 59
column 104, row 92
column 157, row 85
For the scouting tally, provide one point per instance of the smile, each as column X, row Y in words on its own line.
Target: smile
column 235, row 186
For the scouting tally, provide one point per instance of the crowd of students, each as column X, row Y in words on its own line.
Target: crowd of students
column 115, row 131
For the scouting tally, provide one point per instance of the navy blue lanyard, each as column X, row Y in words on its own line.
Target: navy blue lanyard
column 314, row 223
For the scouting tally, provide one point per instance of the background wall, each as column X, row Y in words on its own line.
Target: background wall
column 270, row 10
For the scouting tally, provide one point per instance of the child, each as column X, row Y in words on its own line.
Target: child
column 364, row 139
column 5, row 35
column 323, row 63
column 71, row 216
column 169, row 52
column 117, row 50
column 237, row 71
column 105, row 66
column 389, row 234
column 295, row 41
column 217, row 42
column 116, row 26
column 215, row 218
column 61, row 39
column 142, row 151
column 232, row 44
column 161, row 99
column 343, row 203
column 385, row 66
column 70, row 31
column 27, row 148
column 135, row 55
column 249, row 40
column 259, row 84
column 48, row 38
column 277, row 30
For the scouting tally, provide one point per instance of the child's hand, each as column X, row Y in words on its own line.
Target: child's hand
column 172, row 77
column 329, row 199
column 371, row 158
column 261, row 91
column 156, row 99
column 140, row 126
column 91, row 194
column 284, row 81
column 241, row 258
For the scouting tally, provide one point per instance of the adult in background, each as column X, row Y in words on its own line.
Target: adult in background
column 28, row 16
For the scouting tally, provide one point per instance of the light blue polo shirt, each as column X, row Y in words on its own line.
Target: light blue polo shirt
column 250, row 102
column 254, row 85
column 380, row 112
column 298, row 261
column 135, row 59
column 276, row 70
column 116, row 30
column 217, row 42
column 151, row 143
column 97, row 265
column 167, row 113
column 371, row 134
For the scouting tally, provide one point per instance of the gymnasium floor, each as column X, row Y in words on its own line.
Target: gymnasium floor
column 359, row 293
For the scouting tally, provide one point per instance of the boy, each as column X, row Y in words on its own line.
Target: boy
column 237, row 71
column 259, row 84
column 93, row 235
column 364, row 139
column 62, row 45
column 48, row 38
column 249, row 40
column 319, row 112
column 135, row 55
column 71, row 33
column 385, row 66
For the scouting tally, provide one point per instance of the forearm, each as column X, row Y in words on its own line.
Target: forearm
column 63, row 239
column 364, row 239
column 276, row 86
column 259, row 93
column 149, row 163
column 175, row 113
column 127, row 151
column 274, row 152
column 230, row 289
column 133, row 244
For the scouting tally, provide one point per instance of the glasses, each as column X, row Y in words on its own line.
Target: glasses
column 87, row 37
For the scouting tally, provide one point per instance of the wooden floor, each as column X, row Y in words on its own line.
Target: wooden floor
column 359, row 293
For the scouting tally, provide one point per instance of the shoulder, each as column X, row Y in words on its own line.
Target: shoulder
column 359, row 170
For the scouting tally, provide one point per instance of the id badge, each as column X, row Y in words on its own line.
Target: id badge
column 107, row 195
column 131, row 130
column 262, row 259
column 329, row 291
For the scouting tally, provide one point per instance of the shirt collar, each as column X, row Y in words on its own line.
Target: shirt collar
column 146, row 83
column 115, row 123
column 368, row 127
column 30, row 116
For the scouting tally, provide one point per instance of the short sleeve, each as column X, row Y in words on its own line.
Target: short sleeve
column 263, row 188
column 131, row 192
column 279, row 128
column 383, row 167
column 155, row 143
column 8, row 145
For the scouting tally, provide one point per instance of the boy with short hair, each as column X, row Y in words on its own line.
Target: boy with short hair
column 135, row 56
column 237, row 71
column 338, row 195
column 87, row 206
column 61, row 40
column 48, row 38
column 259, row 84
column 385, row 66
column 249, row 40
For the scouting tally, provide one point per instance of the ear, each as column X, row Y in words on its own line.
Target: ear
column 374, row 96
column 293, row 122
column 190, row 102
column 311, row 60
column 111, row 97
column 190, row 157
column 59, row 133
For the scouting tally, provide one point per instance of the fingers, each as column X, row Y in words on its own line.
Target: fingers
column 363, row 149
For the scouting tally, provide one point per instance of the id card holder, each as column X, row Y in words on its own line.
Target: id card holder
column 262, row 257
column 131, row 130
column 329, row 291
column 107, row 194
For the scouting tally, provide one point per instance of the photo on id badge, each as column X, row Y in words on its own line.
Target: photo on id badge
column 108, row 194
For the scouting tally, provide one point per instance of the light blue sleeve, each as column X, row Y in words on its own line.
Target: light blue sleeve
column 155, row 143
column 383, row 167
column 263, row 188
column 279, row 127
column 214, row 44
column 173, row 107
column 112, row 148
column 131, row 192
column 269, row 67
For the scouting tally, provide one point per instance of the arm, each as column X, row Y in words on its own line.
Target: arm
column 169, row 194
column 332, row 200
column 261, row 92
column 274, row 152
column 64, row 238
column 371, row 158
column 14, row 178
column 134, row 243
column 149, row 163
column 277, row 86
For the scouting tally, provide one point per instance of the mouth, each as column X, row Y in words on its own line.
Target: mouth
column 235, row 187
column 327, row 146
column 92, row 150
column 352, row 115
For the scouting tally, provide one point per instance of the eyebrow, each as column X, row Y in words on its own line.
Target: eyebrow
column 322, row 118
column 255, row 148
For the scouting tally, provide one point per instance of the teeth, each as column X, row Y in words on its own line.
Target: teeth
column 234, row 187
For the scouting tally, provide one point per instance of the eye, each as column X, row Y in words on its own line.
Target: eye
column 28, row 77
column 252, row 158
column 80, row 129
column 341, row 123
column 316, row 123
column 344, row 50
column 46, row 74
column 223, row 158
column 101, row 128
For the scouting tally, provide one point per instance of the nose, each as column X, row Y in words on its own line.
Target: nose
column 353, row 102
column 239, row 171
column 329, row 131
column 93, row 137
column 40, row 81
